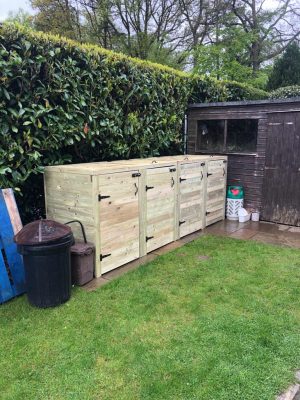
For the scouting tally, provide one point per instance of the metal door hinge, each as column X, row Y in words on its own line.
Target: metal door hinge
column 102, row 197
column 136, row 174
column 149, row 237
column 182, row 179
column 149, row 187
column 181, row 222
column 104, row 256
column 172, row 169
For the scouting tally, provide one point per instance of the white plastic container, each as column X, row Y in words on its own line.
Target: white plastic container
column 255, row 216
column 244, row 215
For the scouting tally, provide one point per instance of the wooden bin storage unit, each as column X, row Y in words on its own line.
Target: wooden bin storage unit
column 132, row 207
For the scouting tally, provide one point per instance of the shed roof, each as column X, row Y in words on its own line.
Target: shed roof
column 246, row 103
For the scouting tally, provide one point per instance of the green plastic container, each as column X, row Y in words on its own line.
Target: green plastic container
column 235, row 192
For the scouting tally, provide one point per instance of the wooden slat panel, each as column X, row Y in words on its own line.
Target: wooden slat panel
column 160, row 207
column 119, row 219
column 191, row 197
column 69, row 196
column 216, row 190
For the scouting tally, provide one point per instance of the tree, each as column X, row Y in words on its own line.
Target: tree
column 228, row 58
column 22, row 17
column 272, row 30
column 286, row 70
column 60, row 17
column 145, row 23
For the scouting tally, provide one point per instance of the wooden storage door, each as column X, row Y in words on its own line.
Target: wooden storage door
column 215, row 191
column 119, row 219
column 191, row 197
column 281, row 185
column 160, row 206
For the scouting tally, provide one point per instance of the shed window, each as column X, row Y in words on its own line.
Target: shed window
column 227, row 136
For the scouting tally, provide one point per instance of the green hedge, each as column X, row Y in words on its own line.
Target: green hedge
column 63, row 102
column 285, row 92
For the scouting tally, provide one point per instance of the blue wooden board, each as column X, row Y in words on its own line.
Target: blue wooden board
column 12, row 282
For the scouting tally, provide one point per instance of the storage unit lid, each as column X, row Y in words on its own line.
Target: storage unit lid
column 42, row 232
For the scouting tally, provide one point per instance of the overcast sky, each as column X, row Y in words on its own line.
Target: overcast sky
column 14, row 5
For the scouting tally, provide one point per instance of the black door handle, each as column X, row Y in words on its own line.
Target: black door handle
column 182, row 179
column 149, row 187
column 172, row 182
column 136, row 189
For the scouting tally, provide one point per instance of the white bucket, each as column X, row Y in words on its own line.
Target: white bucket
column 255, row 216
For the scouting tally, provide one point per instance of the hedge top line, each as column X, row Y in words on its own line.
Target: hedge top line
column 96, row 51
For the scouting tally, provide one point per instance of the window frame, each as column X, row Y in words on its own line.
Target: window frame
column 225, row 151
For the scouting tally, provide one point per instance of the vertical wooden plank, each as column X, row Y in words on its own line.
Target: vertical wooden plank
column 96, row 213
column 12, row 209
column 177, row 205
column 143, row 212
column 205, row 171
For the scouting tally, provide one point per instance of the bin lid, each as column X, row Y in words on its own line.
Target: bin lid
column 41, row 232
column 82, row 249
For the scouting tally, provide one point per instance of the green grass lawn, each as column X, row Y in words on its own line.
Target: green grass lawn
column 181, row 327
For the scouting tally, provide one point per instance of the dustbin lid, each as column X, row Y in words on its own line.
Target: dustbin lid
column 82, row 249
column 42, row 232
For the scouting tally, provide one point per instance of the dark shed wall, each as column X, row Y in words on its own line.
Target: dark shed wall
column 245, row 169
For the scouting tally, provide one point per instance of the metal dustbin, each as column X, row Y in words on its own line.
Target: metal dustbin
column 82, row 260
column 45, row 247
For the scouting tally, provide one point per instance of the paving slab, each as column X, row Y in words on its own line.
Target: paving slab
column 225, row 226
column 243, row 233
column 290, row 394
column 294, row 229
column 279, row 239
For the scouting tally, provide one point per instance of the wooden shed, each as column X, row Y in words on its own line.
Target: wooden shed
column 262, row 141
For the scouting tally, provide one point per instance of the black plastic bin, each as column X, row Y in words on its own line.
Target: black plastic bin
column 45, row 247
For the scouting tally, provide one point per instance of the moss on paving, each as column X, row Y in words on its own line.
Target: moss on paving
column 181, row 327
